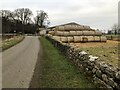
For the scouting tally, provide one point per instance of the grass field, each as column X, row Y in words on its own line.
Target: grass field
column 113, row 37
column 58, row 72
column 107, row 52
column 7, row 43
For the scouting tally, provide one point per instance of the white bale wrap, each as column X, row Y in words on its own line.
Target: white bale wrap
column 56, row 38
column 64, row 39
column 80, row 27
column 51, row 32
column 59, row 33
column 87, row 27
column 97, row 38
column 53, row 29
column 77, row 38
column 60, row 28
column 49, row 35
column 88, row 33
column 73, row 33
column 70, row 39
column 68, row 27
column 90, row 38
column 98, row 33
column 79, row 33
column 84, row 39
column 103, row 38
column 66, row 33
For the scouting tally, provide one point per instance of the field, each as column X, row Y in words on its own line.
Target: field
column 107, row 52
column 9, row 42
column 113, row 37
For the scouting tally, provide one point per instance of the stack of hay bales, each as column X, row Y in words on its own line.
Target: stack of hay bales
column 76, row 33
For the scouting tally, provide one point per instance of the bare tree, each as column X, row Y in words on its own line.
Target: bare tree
column 23, row 14
column 115, row 29
column 5, row 13
column 41, row 18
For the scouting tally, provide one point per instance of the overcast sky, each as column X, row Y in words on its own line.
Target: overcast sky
column 99, row 14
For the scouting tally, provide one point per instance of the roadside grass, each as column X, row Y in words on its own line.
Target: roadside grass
column 59, row 72
column 11, row 42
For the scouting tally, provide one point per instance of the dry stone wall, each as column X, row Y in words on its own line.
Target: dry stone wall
column 101, row 74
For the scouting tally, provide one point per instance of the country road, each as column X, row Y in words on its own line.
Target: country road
column 18, row 63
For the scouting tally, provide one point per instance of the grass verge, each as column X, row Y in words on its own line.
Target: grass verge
column 11, row 42
column 58, row 72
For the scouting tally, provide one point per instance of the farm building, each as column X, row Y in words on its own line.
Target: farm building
column 73, row 32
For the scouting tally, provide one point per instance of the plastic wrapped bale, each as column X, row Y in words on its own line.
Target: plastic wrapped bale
column 79, row 33
column 59, row 33
column 71, row 27
column 88, row 33
column 51, row 32
column 73, row 33
column 84, row 39
column 56, row 38
column 75, row 27
column 80, row 27
column 103, row 39
column 66, row 33
column 77, row 39
column 60, row 28
column 68, row 27
column 70, row 39
column 49, row 35
column 53, row 29
column 91, row 38
column 64, row 39
column 97, row 38
column 87, row 27
column 98, row 33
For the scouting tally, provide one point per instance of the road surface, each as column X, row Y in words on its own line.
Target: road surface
column 19, row 62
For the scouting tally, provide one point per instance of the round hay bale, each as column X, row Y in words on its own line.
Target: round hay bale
column 53, row 29
column 49, row 35
column 56, row 38
column 103, row 39
column 71, row 27
column 77, row 38
column 97, row 38
column 73, row 33
column 75, row 27
column 98, row 33
column 68, row 27
column 87, row 27
column 60, row 28
column 79, row 33
column 91, row 38
column 64, row 39
column 70, row 39
column 84, row 39
column 88, row 33
column 80, row 27
column 66, row 33
column 59, row 33
column 51, row 32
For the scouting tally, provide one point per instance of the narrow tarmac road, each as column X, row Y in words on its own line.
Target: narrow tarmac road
column 18, row 63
